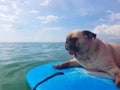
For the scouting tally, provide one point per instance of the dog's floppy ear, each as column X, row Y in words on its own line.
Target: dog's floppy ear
column 89, row 34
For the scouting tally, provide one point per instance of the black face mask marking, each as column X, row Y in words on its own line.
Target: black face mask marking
column 71, row 44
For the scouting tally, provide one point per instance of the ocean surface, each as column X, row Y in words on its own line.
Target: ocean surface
column 16, row 59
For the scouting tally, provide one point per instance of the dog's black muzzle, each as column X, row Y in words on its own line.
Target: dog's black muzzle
column 71, row 44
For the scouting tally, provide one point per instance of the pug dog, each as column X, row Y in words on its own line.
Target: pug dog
column 92, row 54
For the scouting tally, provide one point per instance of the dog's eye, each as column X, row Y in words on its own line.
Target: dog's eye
column 73, row 40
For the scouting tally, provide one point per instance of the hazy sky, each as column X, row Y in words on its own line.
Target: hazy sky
column 51, row 20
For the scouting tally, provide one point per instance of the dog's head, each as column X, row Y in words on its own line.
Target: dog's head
column 78, row 41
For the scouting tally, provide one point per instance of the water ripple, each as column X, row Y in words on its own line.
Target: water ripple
column 17, row 58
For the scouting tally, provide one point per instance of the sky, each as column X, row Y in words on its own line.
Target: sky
column 52, row 20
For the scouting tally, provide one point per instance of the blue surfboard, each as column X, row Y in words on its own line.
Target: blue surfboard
column 45, row 77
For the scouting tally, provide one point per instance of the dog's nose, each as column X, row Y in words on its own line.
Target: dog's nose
column 66, row 47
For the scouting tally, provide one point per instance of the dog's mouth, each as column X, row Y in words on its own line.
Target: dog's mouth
column 71, row 52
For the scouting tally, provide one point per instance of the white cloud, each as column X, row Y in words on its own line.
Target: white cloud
column 48, row 19
column 8, row 18
column 11, row 11
column 114, row 16
column 7, row 27
column 3, row 8
column 45, row 2
column 108, row 32
column 111, row 17
column 52, row 29
column 15, row 7
column 34, row 11
column 2, row 0
column 27, row 2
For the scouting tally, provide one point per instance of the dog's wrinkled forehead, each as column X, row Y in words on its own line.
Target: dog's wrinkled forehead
column 75, row 34
column 81, row 34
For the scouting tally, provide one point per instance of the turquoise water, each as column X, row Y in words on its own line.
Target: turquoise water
column 17, row 58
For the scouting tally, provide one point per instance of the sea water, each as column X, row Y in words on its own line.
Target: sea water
column 16, row 59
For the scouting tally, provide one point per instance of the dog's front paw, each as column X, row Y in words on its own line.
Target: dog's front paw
column 117, row 80
column 58, row 66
